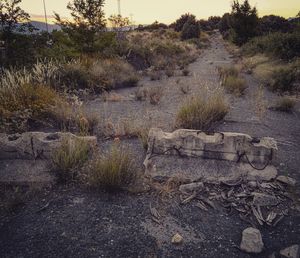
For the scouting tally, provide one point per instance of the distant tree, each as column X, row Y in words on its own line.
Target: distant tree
column 190, row 29
column 88, row 21
column 298, row 15
column 179, row 23
column 12, row 17
column 213, row 22
column 273, row 23
column 243, row 22
column 117, row 21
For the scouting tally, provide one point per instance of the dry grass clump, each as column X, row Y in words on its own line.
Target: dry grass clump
column 232, row 81
column 141, row 94
column 25, row 103
column 69, row 157
column 201, row 112
column 155, row 94
column 235, row 85
column 285, row 104
column 143, row 133
column 114, row 73
column 112, row 170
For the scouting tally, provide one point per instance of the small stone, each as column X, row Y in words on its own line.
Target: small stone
column 252, row 184
column 286, row 180
column 187, row 188
column 261, row 199
column 177, row 239
column 251, row 241
column 291, row 252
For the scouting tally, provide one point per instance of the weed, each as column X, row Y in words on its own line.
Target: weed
column 141, row 94
column 155, row 94
column 112, row 170
column 143, row 136
column 201, row 112
column 285, row 104
column 69, row 157
column 235, row 85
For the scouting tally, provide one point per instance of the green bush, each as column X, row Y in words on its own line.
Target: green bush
column 285, row 79
column 190, row 30
column 281, row 45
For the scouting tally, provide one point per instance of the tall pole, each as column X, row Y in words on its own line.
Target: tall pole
column 45, row 12
column 119, row 7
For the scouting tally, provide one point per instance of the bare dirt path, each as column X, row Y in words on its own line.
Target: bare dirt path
column 72, row 221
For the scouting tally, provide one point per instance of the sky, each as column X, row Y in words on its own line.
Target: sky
column 167, row 11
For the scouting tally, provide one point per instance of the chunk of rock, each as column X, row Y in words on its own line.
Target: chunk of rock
column 261, row 199
column 267, row 174
column 251, row 241
column 188, row 188
column 286, row 180
column 291, row 252
column 33, row 145
column 177, row 239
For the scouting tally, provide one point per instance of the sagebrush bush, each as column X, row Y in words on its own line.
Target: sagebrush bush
column 190, row 30
column 112, row 170
column 286, row 78
column 234, row 85
column 69, row 157
column 285, row 104
column 281, row 45
column 201, row 112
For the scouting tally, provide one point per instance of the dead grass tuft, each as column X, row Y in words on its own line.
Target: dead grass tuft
column 285, row 104
column 155, row 94
column 69, row 157
column 112, row 170
column 201, row 112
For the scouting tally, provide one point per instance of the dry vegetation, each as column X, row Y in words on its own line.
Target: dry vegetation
column 69, row 158
column 201, row 112
column 285, row 104
column 232, row 81
column 112, row 170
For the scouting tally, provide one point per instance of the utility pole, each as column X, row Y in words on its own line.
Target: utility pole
column 45, row 12
column 119, row 7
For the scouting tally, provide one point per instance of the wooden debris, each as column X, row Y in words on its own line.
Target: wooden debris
column 191, row 197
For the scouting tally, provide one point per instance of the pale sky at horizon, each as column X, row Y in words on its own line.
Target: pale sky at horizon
column 166, row 11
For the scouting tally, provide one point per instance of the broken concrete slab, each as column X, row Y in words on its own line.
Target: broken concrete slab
column 25, row 172
column 184, row 153
column 291, row 252
column 205, row 170
column 32, row 145
column 251, row 241
column 220, row 146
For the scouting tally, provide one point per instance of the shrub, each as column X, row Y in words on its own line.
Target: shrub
column 155, row 94
column 285, row 104
column 201, row 112
column 190, row 30
column 69, row 157
column 286, row 78
column 142, row 133
column 235, row 85
column 280, row 45
column 113, row 170
column 179, row 23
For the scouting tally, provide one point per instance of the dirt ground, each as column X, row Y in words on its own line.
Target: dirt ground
column 73, row 221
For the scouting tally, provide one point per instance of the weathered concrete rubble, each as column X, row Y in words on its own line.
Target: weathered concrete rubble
column 32, row 145
column 197, row 156
column 221, row 146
